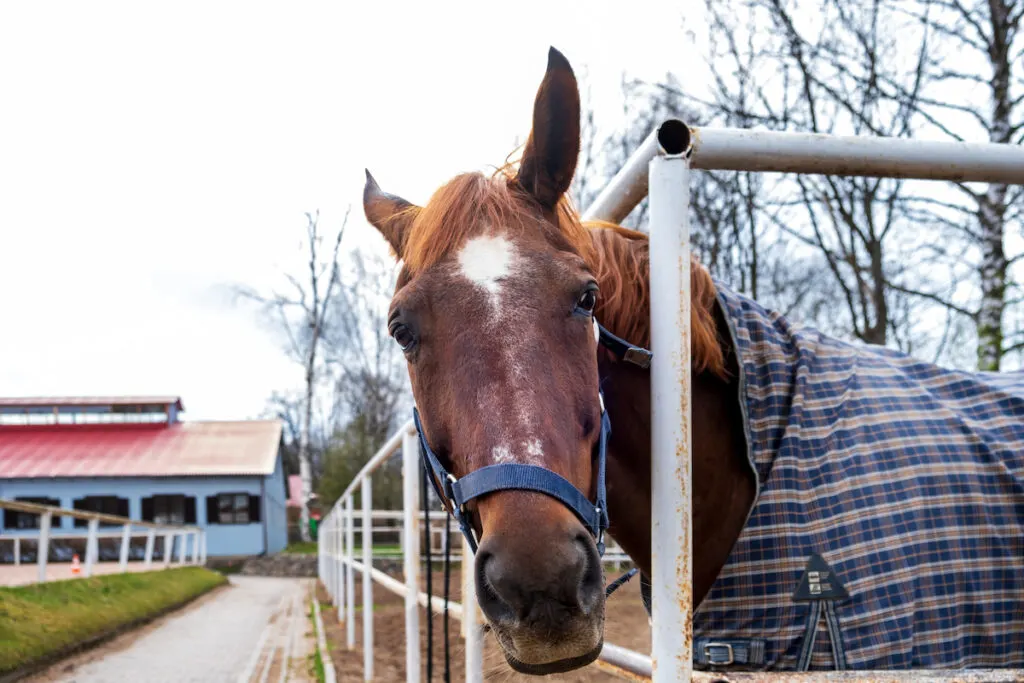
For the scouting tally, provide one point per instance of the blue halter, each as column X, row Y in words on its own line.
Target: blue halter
column 514, row 476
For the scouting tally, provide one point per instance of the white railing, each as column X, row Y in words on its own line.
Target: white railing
column 660, row 167
column 187, row 538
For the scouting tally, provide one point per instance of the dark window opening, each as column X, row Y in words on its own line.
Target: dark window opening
column 13, row 519
column 232, row 508
column 169, row 509
column 108, row 505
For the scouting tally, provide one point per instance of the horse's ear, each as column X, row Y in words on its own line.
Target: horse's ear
column 549, row 159
column 391, row 215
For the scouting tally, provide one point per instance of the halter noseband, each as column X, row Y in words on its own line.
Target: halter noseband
column 517, row 476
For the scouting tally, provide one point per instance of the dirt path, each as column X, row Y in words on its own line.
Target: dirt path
column 256, row 629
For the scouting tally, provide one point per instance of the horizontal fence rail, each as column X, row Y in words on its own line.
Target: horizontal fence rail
column 187, row 538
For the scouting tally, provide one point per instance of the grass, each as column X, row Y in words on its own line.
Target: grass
column 309, row 548
column 41, row 621
column 302, row 548
column 316, row 659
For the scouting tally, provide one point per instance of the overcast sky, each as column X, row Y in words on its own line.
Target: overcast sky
column 151, row 154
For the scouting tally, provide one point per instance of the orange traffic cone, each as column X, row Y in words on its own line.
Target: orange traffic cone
column 76, row 568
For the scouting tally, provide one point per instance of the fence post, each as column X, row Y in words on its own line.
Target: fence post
column 350, row 580
column 411, row 553
column 672, row 573
column 182, row 548
column 472, row 632
column 43, row 548
column 168, row 548
column 195, row 547
column 367, row 537
column 17, row 550
column 126, row 539
column 323, row 572
column 202, row 545
column 150, row 545
column 339, row 516
column 92, row 546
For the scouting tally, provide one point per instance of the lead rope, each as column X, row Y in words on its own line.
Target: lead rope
column 619, row 582
column 447, row 584
column 430, row 566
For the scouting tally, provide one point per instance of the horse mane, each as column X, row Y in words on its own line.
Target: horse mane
column 472, row 203
column 622, row 266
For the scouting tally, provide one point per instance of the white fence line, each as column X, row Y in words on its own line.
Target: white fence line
column 662, row 163
column 187, row 537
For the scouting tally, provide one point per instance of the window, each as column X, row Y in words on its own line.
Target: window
column 27, row 520
column 169, row 509
column 108, row 505
column 232, row 508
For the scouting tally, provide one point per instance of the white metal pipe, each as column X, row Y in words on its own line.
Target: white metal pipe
column 17, row 551
column 195, row 546
column 772, row 151
column 411, row 553
column 150, row 544
column 182, row 548
column 627, row 188
column 389, row 447
column 126, row 540
column 471, row 627
column 43, row 548
column 350, row 580
column 92, row 546
column 202, row 545
column 761, row 150
column 397, row 587
column 367, row 496
column 671, row 569
column 631, row 661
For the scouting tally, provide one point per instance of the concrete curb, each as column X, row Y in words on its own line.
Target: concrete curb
column 321, row 641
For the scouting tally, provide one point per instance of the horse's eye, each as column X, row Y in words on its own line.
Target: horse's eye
column 587, row 301
column 403, row 336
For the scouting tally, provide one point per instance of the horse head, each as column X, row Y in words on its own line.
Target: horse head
column 493, row 310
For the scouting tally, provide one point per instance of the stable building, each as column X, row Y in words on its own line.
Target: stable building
column 135, row 457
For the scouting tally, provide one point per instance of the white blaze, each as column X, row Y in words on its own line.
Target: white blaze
column 486, row 261
column 490, row 261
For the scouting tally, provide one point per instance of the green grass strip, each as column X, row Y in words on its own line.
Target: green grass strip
column 43, row 620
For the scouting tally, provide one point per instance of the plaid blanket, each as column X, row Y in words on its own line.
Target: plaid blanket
column 900, row 482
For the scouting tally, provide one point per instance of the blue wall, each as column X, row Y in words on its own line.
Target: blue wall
column 268, row 536
column 275, row 510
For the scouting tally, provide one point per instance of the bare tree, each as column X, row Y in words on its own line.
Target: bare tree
column 817, row 71
column 975, row 71
column 304, row 313
column 370, row 383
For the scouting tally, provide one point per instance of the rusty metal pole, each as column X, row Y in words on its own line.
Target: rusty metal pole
column 671, row 499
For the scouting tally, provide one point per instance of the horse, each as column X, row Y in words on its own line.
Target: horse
column 838, row 489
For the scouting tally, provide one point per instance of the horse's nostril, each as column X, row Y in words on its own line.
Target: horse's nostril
column 488, row 579
column 524, row 588
column 591, row 580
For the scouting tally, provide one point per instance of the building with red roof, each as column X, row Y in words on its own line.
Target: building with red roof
column 133, row 456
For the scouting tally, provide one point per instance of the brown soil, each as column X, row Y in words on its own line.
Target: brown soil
column 625, row 625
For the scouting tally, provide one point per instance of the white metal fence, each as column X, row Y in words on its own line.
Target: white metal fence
column 660, row 168
column 188, row 541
